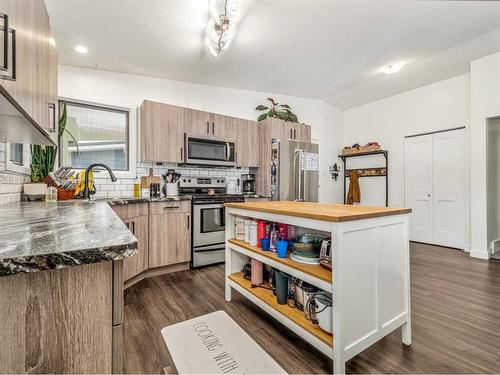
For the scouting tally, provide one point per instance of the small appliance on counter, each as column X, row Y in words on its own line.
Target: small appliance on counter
column 325, row 256
column 248, row 182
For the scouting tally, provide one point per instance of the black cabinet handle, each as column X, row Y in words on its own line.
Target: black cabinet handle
column 188, row 222
column 182, row 154
column 208, row 127
column 52, row 109
column 294, row 133
column 5, row 28
column 133, row 228
column 213, row 128
column 5, row 66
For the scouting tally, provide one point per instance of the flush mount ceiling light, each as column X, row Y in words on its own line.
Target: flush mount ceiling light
column 392, row 68
column 81, row 49
column 221, row 25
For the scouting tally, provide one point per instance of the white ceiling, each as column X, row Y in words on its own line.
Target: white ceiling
column 325, row 49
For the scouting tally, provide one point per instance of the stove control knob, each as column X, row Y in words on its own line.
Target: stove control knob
column 189, row 180
column 184, row 180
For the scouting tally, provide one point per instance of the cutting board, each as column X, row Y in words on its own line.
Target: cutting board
column 149, row 179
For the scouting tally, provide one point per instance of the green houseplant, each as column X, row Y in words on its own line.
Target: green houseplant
column 276, row 110
column 43, row 158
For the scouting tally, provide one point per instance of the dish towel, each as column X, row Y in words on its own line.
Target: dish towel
column 354, row 193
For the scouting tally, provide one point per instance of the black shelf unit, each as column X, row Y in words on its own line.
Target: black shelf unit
column 385, row 153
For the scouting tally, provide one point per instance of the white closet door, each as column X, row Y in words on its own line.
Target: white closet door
column 449, row 190
column 418, row 186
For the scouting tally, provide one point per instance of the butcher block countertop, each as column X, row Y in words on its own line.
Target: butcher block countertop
column 319, row 211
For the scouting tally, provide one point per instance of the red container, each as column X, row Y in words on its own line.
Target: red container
column 261, row 231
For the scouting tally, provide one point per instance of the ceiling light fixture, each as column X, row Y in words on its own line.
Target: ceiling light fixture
column 221, row 26
column 392, row 68
column 81, row 49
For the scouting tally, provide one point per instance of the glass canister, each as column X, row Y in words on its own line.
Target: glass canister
column 239, row 228
column 51, row 195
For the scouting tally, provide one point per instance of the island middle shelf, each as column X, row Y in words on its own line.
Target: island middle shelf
column 313, row 274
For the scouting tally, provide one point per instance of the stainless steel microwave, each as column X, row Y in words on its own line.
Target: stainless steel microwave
column 200, row 150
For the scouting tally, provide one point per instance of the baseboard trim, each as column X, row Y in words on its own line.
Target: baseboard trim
column 479, row 254
column 157, row 271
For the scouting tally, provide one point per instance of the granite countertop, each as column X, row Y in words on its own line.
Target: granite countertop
column 131, row 200
column 37, row 236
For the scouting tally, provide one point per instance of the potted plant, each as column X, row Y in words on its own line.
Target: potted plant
column 43, row 159
column 276, row 110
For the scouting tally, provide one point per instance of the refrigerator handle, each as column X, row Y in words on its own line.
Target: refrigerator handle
column 295, row 177
column 298, row 194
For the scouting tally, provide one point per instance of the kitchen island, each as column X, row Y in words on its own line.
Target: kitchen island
column 369, row 281
column 61, row 294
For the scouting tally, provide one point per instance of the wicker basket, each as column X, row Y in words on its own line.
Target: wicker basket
column 357, row 150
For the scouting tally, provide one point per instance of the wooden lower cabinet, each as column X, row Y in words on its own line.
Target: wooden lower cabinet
column 58, row 321
column 135, row 217
column 133, row 266
column 170, row 240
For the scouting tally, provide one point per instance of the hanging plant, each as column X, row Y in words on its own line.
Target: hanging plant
column 276, row 110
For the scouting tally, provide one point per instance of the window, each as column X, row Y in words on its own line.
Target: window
column 101, row 135
column 16, row 153
column 18, row 158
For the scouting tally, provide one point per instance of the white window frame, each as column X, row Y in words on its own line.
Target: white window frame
column 10, row 166
column 132, row 135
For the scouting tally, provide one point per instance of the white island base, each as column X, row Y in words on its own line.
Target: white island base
column 370, row 281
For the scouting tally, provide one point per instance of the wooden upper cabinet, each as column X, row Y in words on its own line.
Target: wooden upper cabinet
column 198, row 122
column 35, row 84
column 162, row 132
column 247, row 143
column 305, row 133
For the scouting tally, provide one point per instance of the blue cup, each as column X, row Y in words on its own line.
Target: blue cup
column 264, row 243
column 282, row 248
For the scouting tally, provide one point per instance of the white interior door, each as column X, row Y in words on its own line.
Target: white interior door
column 435, row 188
column 418, row 186
column 449, row 189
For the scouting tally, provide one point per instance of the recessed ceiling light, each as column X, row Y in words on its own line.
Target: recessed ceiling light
column 81, row 49
column 392, row 68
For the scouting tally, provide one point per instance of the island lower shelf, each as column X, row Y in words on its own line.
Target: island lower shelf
column 267, row 297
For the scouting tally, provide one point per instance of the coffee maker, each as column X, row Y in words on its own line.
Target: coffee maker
column 248, row 184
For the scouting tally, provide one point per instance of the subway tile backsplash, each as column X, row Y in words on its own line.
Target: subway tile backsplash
column 124, row 186
column 11, row 184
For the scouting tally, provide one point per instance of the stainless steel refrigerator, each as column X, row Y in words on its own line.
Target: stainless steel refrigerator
column 294, row 171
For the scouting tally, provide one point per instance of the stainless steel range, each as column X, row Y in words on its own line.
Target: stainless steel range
column 208, row 195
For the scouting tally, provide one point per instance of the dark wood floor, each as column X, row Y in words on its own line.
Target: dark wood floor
column 455, row 313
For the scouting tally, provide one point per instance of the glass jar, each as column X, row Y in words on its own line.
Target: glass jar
column 51, row 195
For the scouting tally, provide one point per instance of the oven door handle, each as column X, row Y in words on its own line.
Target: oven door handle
column 209, row 204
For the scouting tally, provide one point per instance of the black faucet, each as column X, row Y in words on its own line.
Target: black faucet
column 86, row 191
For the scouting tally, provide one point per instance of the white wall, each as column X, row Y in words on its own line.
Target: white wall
column 485, row 104
column 125, row 90
column 441, row 105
